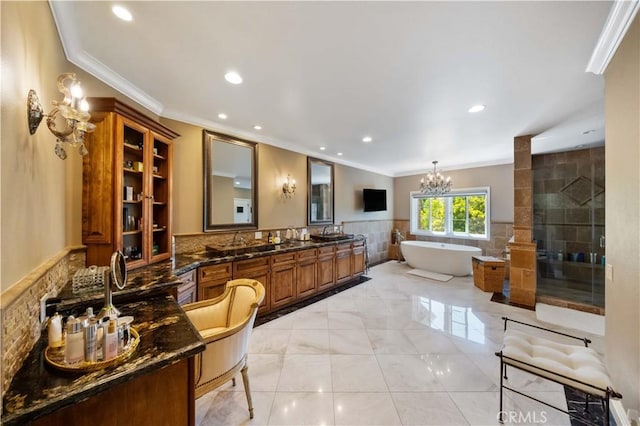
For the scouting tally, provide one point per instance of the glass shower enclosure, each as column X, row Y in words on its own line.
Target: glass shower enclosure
column 568, row 225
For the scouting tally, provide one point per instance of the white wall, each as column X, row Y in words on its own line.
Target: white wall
column 622, row 163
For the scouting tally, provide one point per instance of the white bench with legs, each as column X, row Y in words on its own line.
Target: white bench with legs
column 578, row 367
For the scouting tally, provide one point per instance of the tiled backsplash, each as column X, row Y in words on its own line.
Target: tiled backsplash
column 378, row 233
column 21, row 307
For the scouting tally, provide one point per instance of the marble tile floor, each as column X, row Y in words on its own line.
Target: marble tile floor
column 395, row 350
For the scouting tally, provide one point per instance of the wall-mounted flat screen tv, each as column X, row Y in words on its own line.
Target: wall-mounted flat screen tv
column 375, row 200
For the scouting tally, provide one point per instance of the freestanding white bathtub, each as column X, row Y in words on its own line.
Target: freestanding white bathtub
column 443, row 258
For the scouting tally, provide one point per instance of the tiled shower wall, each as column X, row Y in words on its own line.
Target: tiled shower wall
column 564, row 206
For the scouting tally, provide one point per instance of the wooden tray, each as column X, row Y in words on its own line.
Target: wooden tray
column 55, row 357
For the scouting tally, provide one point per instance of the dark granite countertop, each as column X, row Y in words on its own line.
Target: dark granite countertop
column 186, row 262
column 162, row 276
column 166, row 336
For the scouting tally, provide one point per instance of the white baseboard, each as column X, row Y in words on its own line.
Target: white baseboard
column 579, row 320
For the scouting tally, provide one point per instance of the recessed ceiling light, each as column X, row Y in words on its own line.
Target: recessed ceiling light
column 367, row 139
column 586, row 132
column 477, row 108
column 322, row 148
column 237, row 183
column 339, row 154
column 222, row 116
column 580, row 146
column 257, row 127
column 122, row 13
column 233, row 77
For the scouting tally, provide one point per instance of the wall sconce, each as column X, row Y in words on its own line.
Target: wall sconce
column 288, row 187
column 74, row 111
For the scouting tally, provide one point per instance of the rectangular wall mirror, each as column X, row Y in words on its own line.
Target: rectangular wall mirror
column 320, row 192
column 230, row 176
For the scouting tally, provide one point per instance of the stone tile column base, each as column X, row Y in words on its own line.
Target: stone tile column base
column 523, row 273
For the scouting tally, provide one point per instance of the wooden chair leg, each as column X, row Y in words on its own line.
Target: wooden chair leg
column 247, row 390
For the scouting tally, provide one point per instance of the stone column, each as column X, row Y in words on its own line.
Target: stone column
column 522, row 282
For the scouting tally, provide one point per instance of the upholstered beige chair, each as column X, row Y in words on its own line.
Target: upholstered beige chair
column 225, row 324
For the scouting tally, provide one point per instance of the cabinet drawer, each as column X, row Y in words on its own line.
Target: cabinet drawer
column 359, row 243
column 325, row 251
column 187, row 293
column 279, row 259
column 215, row 272
column 242, row 266
column 341, row 248
column 188, row 277
column 306, row 255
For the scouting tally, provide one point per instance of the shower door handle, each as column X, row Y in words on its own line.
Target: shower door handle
column 602, row 241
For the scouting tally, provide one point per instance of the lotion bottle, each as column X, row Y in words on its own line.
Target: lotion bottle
column 55, row 331
column 110, row 342
column 74, row 349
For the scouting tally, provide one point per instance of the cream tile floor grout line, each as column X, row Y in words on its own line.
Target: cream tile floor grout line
column 397, row 349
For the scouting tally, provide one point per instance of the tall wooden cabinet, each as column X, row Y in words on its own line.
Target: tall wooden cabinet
column 126, row 186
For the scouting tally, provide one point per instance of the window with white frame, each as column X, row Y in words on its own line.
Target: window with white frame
column 462, row 213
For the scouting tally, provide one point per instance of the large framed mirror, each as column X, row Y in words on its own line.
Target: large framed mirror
column 320, row 196
column 230, row 176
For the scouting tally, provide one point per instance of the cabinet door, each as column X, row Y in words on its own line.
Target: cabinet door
column 264, row 276
column 326, row 267
column 211, row 289
column 130, row 187
column 343, row 263
column 283, row 285
column 358, row 260
column 160, row 157
column 306, row 278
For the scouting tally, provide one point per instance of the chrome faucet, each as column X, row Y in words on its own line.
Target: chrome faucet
column 324, row 229
column 233, row 242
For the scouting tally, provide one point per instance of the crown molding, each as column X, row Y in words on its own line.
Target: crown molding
column 64, row 17
column 218, row 127
column 620, row 17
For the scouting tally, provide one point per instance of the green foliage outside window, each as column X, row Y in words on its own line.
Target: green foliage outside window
column 467, row 214
column 477, row 219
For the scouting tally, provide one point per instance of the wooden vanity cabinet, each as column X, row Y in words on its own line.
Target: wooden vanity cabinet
column 343, row 263
column 259, row 269
column 126, row 186
column 306, row 267
column 358, row 258
column 326, row 268
column 187, row 292
column 283, row 279
column 212, row 280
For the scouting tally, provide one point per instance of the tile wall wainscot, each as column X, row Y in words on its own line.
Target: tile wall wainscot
column 20, row 306
column 378, row 233
column 495, row 246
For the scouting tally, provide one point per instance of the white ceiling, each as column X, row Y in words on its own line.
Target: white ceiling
column 329, row 73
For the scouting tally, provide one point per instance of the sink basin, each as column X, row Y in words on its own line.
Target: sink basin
column 332, row 237
column 238, row 249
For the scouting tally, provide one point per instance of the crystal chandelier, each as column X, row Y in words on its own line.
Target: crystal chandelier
column 435, row 184
column 71, row 114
